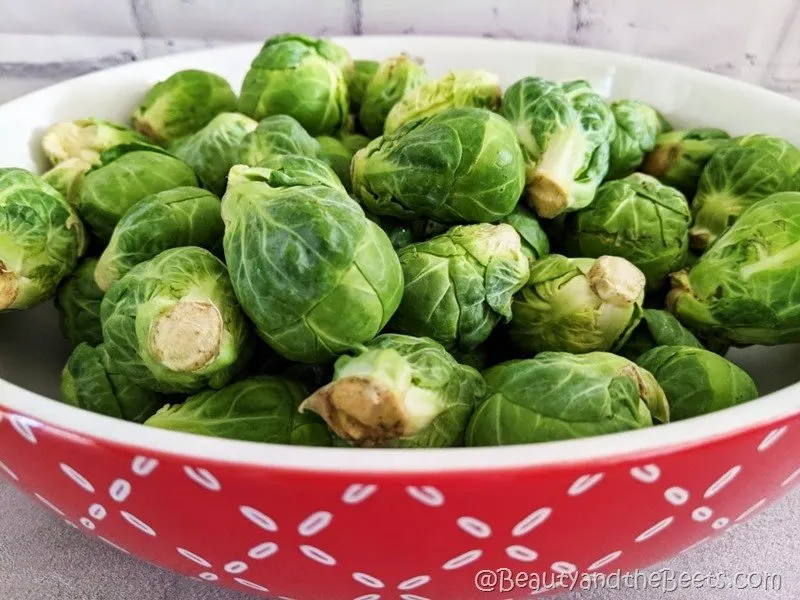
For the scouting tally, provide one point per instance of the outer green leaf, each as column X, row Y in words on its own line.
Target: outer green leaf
column 636, row 218
column 637, row 126
column 459, row 286
column 299, row 76
column 276, row 135
column 462, row 165
column 395, row 78
column 657, row 328
column 564, row 129
column 92, row 382
column 559, row 396
column 172, row 324
column 399, row 391
column 184, row 216
column 535, row 244
column 697, row 381
column 183, row 104
column 41, row 239
column 287, row 171
column 311, row 271
column 259, row 409
column 78, row 302
column 363, row 70
column 744, row 289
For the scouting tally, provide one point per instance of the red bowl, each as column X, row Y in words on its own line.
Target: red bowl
column 344, row 524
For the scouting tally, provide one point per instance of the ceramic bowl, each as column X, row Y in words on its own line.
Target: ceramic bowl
column 343, row 524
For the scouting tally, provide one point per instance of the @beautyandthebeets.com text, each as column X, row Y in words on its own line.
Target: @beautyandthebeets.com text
column 664, row 580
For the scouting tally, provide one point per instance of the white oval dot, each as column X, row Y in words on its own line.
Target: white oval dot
column 88, row 523
column 357, row 493
column 138, row 523
column 369, row 581
column 235, row 567
column 584, row 484
column 522, row 553
column 427, row 495
column 144, row 466
column 263, row 551
column 8, row 471
column 97, row 512
column 318, row 555
column 369, row 597
column 474, row 527
column 720, row 483
column 119, row 490
column 720, row 523
column 250, row 584
column 203, row 478
column 412, row 597
column 532, row 521
column 77, row 477
column 655, row 529
column 790, row 478
column 607, row 559
column 772, row 437
column 208, row 576
column 24, row 427
column 563, row 567
column 677, row 496
column 113, row 545
column 258, row 518
column 315, row 524
column 751, row 510
column 414, row 583
column 462, row 560
column 702, row 513
column 193, row 557
column 49, row 504
column 646, row 473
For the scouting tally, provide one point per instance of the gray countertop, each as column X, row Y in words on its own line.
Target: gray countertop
column 41, row 558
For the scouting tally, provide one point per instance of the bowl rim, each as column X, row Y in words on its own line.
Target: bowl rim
column 39, row 410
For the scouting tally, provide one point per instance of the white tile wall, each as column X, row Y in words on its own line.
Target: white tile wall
column 47, row 40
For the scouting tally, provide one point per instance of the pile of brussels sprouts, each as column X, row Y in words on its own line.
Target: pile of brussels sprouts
column 355, row 253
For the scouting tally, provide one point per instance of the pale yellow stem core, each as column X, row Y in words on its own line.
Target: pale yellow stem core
column 359, row 410
column 187, row 337
column 616, row 280
column 546, row 197
column 9, row 287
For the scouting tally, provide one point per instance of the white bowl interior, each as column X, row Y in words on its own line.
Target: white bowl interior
column 32, row 351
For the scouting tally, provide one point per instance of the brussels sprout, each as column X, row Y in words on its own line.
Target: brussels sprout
column 679, row 156
column 78, row 302
column 395, row 78
column 535, row 244
column 299, row 76
column 67, row 176
column 354, row 141
column 564, row 129
column 737, row 176
column 41, row 239
column 286, row 171
column 172, row 324
column 92, row 382
column 399, row 391
column 560, row 396
column 462, row 165
column 335, row 154
column 637, row 126
column 314, row 274
column 125, row 176
column 743, row 290
column 85, row 139
column 657, row 328
column 183, row 104
column 363, row 70
column 184, row 216
column 457, row 89
column 577, row 305
column 213, row 150
column 258, row 409
column 696, row 381
column 636, row 218
column 277, row 135
column 459, row 285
